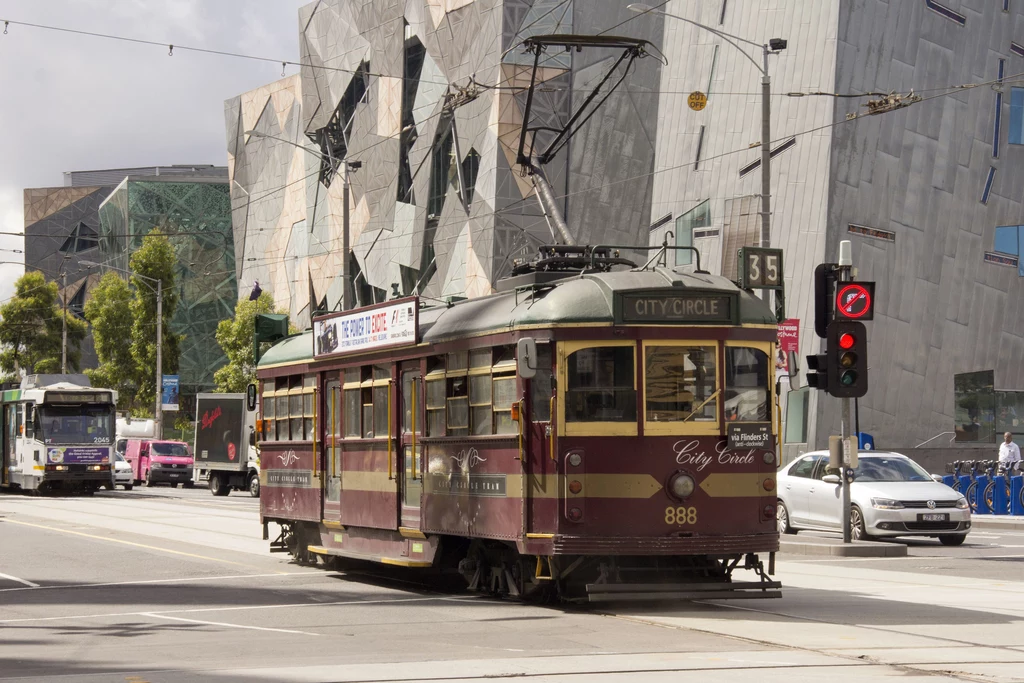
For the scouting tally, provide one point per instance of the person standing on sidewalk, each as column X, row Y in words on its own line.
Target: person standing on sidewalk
column 1009, row 452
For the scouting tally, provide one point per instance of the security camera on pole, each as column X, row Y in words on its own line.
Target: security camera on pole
column 840, row 304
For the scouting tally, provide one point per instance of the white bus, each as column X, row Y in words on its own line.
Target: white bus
column 58, row 434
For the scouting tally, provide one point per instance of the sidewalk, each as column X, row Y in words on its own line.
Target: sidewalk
column 1001, row 522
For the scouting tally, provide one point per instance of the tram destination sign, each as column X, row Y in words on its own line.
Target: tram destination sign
column 678, row 307
column 375, row 327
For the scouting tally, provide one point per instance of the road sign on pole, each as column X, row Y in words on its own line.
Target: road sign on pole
column 855, row 301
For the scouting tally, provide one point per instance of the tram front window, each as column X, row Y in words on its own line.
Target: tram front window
column 76, row 424
column 747, row 391
column 681, row 384
column 601, row 385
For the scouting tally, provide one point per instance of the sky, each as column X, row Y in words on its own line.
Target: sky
column 74, row 102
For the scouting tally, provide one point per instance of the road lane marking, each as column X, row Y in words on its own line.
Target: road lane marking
column 15, row 579
column 241, row 608
column 150, row 581
column 132, row 543
column 221, row 623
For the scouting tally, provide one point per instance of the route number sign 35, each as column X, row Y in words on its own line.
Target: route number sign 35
column 760, row 268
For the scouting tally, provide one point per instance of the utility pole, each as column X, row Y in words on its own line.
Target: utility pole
column 64, row 331
column 159, row 358
column 766, row 156
column 845, row 266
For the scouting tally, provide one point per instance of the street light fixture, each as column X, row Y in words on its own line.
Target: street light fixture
column 774, row 45
column 159, row 291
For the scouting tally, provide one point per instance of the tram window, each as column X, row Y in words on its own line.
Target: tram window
column 268, row 412
column 480, row 358
column 308, row 414
column 601, row 385
column 380, row 415
column 480, row 401
column 458, row 406
column 681, row 383
column 352, row 403
column 381, row 372
column 458, row 360
column 504, row 359
column 747, row 396
column 295, row 409
column 281, row 415
column 436, row 405
column 504, row 397
column 541, row 386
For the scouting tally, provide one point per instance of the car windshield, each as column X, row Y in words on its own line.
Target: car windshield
column 175, row 449
column 119, row 458
column 876, row 468
column 68, row 425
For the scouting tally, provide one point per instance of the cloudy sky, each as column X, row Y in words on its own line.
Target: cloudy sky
column 74, row 102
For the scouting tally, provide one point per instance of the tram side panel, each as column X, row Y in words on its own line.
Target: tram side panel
column 368, row 492
column 290, row 482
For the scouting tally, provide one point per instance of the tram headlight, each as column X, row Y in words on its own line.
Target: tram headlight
column 575, row 459
column 681, row 485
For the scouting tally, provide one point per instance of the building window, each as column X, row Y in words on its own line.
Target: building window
column 76, row 304
column 988, row 185
column 82, row 238
column 796, row 416
column 974, row 406
column 946, row 12
column 1016, row 134
column 697, row 217
column 470, row 170
column 771, row 155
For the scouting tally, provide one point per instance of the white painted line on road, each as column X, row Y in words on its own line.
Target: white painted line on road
column 33, row 586
column 221, row 623
column 15, row 579
column 355, row 603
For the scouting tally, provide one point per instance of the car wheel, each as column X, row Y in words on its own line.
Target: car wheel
column 149, row 478
column 952, row 539
column 782, row 517
column 254, row 486
column 857, row 530
column 128, row 487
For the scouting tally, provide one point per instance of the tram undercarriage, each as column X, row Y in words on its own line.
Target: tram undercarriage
column 499, row 569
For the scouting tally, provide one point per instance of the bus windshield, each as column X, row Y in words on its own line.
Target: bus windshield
column 68, row 425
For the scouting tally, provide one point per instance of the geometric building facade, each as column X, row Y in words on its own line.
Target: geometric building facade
column 195, row 213
column 429, row 97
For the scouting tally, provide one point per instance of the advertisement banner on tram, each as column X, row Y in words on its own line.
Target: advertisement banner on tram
column 78, row 455
column 374, row 327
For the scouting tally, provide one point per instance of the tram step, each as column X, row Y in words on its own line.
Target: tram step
column 626, row 592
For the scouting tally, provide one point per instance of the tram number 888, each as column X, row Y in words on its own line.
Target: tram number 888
column 680, row 515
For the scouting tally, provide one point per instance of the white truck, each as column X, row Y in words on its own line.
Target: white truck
column 127, row 428
column 225, row 445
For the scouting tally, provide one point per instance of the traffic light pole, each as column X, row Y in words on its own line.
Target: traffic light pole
column 845, row 266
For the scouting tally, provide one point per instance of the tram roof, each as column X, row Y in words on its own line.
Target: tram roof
column 587, row 298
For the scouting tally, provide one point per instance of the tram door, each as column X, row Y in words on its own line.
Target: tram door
column 331, row 448
column 7, row 456
column 411, row 449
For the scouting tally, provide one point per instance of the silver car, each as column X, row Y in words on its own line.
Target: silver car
column 122, row 472
column 891, row 495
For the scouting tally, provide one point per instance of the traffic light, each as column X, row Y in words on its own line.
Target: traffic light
column 818, row 375
column 847, row 359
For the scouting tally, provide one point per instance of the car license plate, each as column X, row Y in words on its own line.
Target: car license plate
column 933, row 517
column 176, row 474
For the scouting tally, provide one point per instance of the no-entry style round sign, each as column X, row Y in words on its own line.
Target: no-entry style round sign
column 853, row 301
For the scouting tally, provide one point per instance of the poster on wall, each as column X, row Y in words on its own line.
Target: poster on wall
column 376, row 327
column 789, row 340
column 169, row 392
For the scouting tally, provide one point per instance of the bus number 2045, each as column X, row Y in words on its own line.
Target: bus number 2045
column 680, row 515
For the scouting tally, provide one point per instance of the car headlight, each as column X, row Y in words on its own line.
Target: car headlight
column 154, row 465
column 886, row 504
column 961, row 503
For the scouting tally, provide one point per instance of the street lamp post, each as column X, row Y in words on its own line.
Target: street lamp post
column 347, row 292
column 774, row 45
column 159, row 291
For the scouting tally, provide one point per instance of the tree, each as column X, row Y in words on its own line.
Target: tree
column 235, row 337
column 109, row 313
column 154, row 260
column 31, row 329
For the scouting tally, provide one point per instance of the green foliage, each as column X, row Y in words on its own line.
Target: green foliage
column 235, row 338
column 154, row 260
column 31, row 327
column 109, row 313
column 123, row 316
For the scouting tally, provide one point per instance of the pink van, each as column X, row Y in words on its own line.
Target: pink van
column 155, row 461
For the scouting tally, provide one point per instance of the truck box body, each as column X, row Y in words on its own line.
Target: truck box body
column 221, row 441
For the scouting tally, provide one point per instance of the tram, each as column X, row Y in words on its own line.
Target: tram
column 58, row 434
column 594, row 431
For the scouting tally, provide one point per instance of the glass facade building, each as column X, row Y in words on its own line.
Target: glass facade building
column 196, row 215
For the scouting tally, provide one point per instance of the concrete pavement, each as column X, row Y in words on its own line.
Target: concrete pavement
column 177, row 586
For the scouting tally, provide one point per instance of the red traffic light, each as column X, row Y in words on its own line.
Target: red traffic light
column 847, row 340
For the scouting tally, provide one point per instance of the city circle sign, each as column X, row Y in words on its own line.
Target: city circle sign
column 697, row 100
column 855, row 301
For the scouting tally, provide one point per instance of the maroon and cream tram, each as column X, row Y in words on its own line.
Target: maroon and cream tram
column 607, row 434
